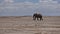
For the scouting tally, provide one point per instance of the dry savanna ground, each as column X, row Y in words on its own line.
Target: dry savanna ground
column 26, row 25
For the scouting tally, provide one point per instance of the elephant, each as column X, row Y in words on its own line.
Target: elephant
column 37, row 16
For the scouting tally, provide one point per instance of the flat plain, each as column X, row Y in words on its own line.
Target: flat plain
column 26, row 25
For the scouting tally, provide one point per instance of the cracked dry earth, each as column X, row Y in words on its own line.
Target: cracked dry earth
column 26, row 25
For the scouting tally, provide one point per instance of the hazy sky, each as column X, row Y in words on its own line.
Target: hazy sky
column 28, row 7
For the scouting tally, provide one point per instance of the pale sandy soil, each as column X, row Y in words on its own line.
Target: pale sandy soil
column 26, row 25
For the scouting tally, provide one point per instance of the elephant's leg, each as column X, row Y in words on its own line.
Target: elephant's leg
column 34, row 18
column 37, row 18
column 41, row 19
